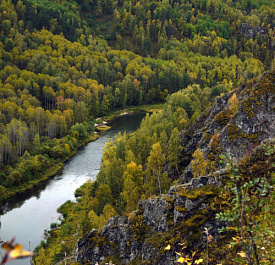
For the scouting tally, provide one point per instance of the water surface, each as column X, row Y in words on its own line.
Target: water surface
column 26, row 216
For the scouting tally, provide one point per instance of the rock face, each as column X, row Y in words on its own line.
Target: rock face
column 221, row 130
column 140, row 237
column 252, row 31
column 235, row 126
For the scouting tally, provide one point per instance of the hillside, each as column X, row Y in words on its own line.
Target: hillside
column 64, row 63
column 235, row 127
column 58, row 73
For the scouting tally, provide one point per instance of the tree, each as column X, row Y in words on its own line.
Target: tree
column 16, row 175
column 233, row 104
column 80, row 112
column 2, row 192
column 108, row 212
column 42, row 257
column 104, row 196
column 174, row 149
column 133, row 185
column 198, row 164
column 155, row 175
column 251, row 210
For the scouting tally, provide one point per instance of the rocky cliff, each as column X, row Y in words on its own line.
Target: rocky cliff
column 236, row 123
column 252, row 31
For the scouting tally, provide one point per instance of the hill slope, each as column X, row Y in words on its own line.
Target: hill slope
column 237, row 123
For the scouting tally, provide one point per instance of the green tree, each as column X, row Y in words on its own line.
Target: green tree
column 251, row 211
column 104, row 196
column 155, row 177
column 174, row 149
column 42, row 257
column 108, row 212
column 2, row 192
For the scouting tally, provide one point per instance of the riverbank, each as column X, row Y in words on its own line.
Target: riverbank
column 133, row 109
column 54, row 169
column 29, row 216
column 47, row 174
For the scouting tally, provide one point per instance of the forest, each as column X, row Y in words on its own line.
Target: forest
column 64, row 63
column 58, row 73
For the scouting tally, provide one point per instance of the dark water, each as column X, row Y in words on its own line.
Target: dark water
column 28, row 215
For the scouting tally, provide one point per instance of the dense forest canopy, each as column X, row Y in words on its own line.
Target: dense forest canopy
column 64, row 63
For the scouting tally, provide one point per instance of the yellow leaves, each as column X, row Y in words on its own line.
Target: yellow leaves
column 184, row 260
column 198, row 164
column 168, row 247
column 242, row 254
column 187, row 260
column 233, row 103
column 18, row 252
column 14, row 252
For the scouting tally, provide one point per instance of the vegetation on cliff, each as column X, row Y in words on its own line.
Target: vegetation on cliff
column 64, row 63
column 57, row 73
column 138, row 169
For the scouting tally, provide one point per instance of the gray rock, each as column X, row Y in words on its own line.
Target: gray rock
column 192, row 204
column 155, row 211
column 162, row 213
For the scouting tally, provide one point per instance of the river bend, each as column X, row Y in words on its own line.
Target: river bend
column 26, row 216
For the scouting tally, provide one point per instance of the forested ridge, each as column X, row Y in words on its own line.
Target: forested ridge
column 57, row 73
column 65, row 63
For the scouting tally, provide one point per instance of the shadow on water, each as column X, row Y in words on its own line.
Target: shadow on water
column 129, row 122
column 19, row 199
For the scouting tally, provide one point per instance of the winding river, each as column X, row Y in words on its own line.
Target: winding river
column 28, row 215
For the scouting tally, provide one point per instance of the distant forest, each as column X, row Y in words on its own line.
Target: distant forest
column 65, row 63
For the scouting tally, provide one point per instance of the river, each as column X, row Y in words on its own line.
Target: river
column 28, row 215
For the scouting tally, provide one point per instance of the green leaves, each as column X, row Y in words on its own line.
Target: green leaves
column 251, row 214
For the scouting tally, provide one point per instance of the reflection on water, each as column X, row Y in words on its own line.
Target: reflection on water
column 27, row 215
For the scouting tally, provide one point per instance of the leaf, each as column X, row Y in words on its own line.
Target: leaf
column 15, row 251
column 18, row 252
column 168, row 247
column 181, row 260
column 8, row 246
column 198, row 261
column 242, row 254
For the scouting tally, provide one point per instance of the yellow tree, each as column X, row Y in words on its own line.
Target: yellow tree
column 133, row 185
column 154, row 173
column 233, row 104
column 198, row 164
